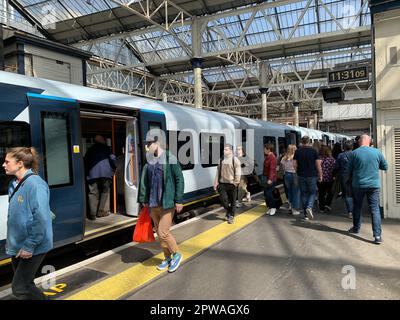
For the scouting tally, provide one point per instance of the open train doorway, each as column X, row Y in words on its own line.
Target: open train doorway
column 119, row 134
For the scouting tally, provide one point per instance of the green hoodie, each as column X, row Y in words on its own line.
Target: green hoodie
column 173, row 183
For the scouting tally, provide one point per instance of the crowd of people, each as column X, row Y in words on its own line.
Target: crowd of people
column 307, row 171
column 312, row 173
column 315, row 172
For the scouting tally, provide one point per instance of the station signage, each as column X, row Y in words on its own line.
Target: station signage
column 348, row 75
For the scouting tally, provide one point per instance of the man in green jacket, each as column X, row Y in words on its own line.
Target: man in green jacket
column 161, row 189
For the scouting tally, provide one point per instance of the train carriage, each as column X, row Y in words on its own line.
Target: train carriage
column 60, row 120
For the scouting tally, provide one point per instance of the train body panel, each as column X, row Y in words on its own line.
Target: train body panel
column 36, row 103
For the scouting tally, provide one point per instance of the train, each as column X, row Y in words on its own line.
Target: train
column 61, row 120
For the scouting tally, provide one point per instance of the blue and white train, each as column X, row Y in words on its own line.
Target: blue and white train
column 60, row 120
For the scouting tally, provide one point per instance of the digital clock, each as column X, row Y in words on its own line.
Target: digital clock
column 348, row 75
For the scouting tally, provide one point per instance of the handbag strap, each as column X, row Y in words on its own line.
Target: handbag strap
column 20, row 184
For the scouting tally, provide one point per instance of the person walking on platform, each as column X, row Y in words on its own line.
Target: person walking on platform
column 291, row 179
column 269, row 174
column 308, row 167
column 336, row 150
column 161, row 189
column 325, row 192
column 247, row 168
column 29, row 224
column 356, row 143
column 227, row 180
column 344, row 176
column 363, row 166
column 100, row 165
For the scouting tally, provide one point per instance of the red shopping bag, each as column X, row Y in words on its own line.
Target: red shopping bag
column 143, row 229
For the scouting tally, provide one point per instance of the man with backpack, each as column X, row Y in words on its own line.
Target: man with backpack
column 227, row 180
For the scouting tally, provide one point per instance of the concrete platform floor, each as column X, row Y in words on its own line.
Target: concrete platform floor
column 281, row 257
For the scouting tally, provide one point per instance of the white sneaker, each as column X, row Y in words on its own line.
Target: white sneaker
column 295, row 212
column 309, row 213
column 272, row 211
column 248, row 196
column 268, row 212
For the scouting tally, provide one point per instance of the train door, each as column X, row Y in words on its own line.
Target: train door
column 55, row 132
column 325, row 139
column 118, row 127
column 131, row 168
column 293, row 137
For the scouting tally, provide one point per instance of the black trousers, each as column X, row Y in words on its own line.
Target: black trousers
column 23, row 287
column 228, row 194
column 325, row 194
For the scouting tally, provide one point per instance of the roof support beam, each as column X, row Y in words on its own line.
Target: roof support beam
column 293, row 42
column 168, row 26
column 31, row 19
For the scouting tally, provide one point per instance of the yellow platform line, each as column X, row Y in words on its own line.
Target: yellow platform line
column 5, row 262
column 129, row 280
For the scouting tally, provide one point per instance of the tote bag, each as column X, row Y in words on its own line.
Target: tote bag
column 144, row 229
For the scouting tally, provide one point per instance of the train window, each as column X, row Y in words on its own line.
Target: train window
column 244, row 136
column 57, row 148
column 183, row 148
column 270, row 140
column 12, row 134
column 211, row 149
column 282, row 145
column 154, row 128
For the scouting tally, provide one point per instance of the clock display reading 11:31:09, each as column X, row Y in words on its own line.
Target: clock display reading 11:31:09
column 345, row 75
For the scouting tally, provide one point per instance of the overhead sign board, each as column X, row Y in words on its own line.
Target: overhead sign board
column 348, row 75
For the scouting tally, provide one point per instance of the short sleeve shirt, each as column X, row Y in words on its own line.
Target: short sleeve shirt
column 305, row 157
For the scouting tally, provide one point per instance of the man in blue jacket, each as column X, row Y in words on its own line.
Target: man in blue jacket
column 100, row 165
column 363, row 167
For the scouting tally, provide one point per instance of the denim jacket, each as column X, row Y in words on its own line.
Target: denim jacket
column 29, row 223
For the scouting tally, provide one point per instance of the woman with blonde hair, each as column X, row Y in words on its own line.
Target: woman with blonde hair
column 29, row 224
column 291, row 179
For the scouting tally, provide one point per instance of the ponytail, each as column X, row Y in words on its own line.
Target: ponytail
column 28, row 156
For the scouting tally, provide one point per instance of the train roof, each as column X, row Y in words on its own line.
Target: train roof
column 179, row 113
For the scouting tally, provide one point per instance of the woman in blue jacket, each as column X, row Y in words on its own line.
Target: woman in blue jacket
column 29, row 223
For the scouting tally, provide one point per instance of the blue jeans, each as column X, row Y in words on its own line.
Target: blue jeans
column 308, row 192
column 269, row 199
column 293, row 190
column 373, row 203
column 346, row 193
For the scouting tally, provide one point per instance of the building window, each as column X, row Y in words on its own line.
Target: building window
column 211, row 149
column 57, row 157
column 12, row 134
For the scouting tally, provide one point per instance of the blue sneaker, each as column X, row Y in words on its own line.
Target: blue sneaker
column 175, row 262
column 164, row 264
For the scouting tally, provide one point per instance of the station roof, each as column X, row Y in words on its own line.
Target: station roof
column 286, row 33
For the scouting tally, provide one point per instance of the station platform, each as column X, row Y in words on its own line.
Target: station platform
column 258, row 257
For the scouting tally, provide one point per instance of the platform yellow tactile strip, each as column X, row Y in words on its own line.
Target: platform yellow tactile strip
column 129, row 280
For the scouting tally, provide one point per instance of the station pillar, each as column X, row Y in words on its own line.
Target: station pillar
column 197, row 64
column 264, row 109
column 296, row 113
